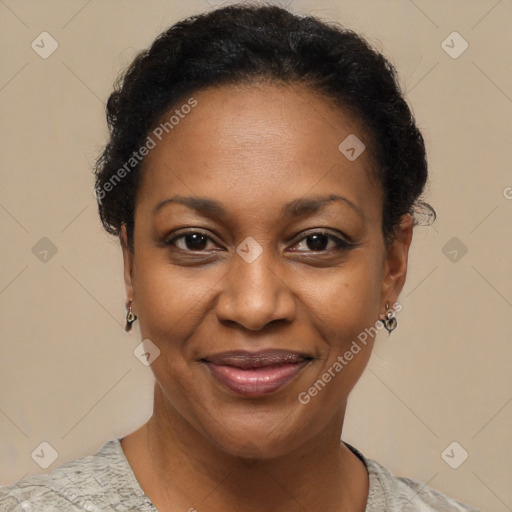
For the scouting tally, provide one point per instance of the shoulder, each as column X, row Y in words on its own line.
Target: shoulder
column 389, row 493
column 95, row 483
column 407, row 495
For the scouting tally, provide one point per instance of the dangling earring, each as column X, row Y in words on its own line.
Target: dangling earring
column 130, row 317
column 389, row 322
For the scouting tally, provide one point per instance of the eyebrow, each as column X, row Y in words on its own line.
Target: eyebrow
column 297, row 208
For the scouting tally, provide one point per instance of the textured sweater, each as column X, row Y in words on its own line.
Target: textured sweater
column 105, row 482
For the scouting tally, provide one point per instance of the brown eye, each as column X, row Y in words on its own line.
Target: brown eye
column 191, row 241
column 319, row 242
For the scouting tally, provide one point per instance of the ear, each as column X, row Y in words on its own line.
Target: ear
column 128, row 263
column 395, row 264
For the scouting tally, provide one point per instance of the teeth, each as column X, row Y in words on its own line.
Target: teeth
column 245, row 362
column 253, row 366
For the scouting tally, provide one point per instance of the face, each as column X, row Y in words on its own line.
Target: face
column 255, row 233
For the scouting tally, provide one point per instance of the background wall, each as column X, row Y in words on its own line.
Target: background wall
column 68, row 374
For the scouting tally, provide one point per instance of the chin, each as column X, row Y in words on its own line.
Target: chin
column 257, row 434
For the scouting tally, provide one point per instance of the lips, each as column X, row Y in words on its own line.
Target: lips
column 256, row 374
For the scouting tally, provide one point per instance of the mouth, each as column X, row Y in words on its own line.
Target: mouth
column 256, row 374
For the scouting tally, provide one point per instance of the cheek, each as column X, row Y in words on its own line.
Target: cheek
column 170, row 299
column 343, row 308
column 347, row 301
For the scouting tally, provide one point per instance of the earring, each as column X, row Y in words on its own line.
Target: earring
column 130, row 317
column 389, row 322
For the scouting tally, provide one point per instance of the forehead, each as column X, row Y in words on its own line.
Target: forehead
column 260, row 145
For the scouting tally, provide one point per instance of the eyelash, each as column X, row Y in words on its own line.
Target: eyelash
column 340, row 243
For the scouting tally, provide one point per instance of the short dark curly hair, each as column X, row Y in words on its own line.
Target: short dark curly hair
column 244, row 43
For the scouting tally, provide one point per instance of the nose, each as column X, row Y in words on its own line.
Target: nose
column 254, row 294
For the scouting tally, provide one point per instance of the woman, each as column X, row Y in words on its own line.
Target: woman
column 263, row 175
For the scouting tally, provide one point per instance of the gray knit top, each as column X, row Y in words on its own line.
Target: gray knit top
column 105, row 482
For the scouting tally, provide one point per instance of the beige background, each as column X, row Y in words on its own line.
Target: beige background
column 68, row 375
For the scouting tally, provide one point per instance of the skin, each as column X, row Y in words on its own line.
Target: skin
column 254, row 148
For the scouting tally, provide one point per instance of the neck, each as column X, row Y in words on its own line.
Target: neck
column 191, row 472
